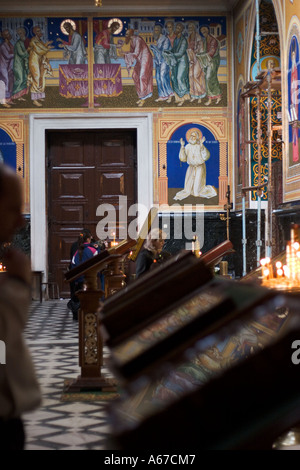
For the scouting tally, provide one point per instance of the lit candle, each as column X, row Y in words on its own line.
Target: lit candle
column 288, row 255
column 266, row 273
column 298, row 266
column 286, row 271
column 263, row 263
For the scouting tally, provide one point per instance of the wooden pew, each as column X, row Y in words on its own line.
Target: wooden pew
column 122, row 315
column 143, row 300
column 206, row 310
column 247, row 407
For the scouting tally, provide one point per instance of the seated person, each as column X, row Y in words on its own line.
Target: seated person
column 152, row 247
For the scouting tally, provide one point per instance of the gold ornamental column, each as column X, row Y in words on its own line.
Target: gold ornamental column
column 163, row 179
column 223, row 178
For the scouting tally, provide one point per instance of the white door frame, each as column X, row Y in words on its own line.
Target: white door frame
column 39, row 124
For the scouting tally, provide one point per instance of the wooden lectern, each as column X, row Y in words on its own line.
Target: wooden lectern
column 90, row 338
column 213, row 256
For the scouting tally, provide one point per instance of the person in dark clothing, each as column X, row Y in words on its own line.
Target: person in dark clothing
column 19, row 388
column 148, row 255
column 85, row 250
column 86, row 233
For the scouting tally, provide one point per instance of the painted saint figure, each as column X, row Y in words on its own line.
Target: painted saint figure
column 170, row 29
column 162, row 70
column 6, row 68
column 75, row 49
column 210, row 62
column 195, row 154
column 294, row 103
column 196, row 73
column 39, row 66
column 20, row 68
column 104, row 49
column 141, row 59
column 178, row 61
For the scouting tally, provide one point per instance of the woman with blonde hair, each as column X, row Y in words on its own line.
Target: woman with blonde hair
column 152, row 247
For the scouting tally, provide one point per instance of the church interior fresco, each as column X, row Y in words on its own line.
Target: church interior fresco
column 68, row 88
column 96, row 79
column 86, row 58
column 277, row 48
column 292, row 167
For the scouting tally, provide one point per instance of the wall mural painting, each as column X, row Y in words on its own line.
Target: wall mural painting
column 269, row 57
column 8, row 150
column 193, row 157
column 293, row 102
column 240, row 126
column 131, row 62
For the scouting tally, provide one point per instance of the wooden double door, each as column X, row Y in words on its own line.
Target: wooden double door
column 86, row 169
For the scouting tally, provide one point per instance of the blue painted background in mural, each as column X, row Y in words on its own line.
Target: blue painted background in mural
column 177, row 170
column 293, row 100
column 7, row 150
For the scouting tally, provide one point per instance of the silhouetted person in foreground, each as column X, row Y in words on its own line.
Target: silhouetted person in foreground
column 19, row 389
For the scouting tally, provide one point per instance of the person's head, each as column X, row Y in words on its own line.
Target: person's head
column 114, row 27
column 204, row 31
column 170, row 27
column 84, row 237
column 21, row 33
column 128, row 35
column 6, row 34
column 179, row 29
column 157, row 31
column 191, row 28
column 155, row 240
column 37, row 31
column 68, row 27
column 11, row 202
column 194, row 138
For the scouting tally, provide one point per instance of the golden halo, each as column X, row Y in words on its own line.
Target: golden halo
column 264, row 62
column 62, row 26
column 193, row 129
column 117, row 20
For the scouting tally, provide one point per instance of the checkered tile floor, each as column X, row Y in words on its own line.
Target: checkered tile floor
column 52, row 337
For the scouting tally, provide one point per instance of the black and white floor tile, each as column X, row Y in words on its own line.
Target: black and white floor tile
column 52, row 337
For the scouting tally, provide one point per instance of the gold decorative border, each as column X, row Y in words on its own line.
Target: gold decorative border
column 15, row 128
